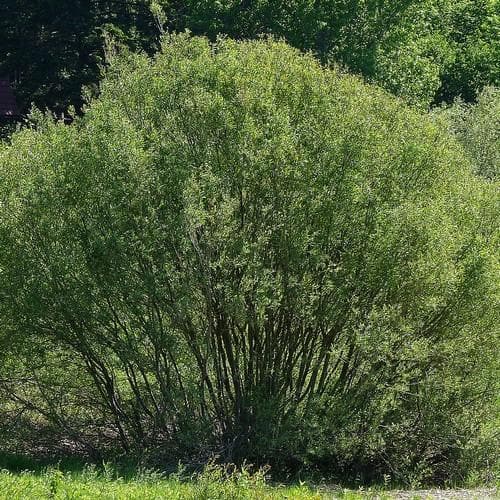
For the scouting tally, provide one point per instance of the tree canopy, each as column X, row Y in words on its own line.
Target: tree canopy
column 426, row 51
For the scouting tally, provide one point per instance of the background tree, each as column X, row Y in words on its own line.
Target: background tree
column 425, row 51
column 477, row 127
column 52, row 48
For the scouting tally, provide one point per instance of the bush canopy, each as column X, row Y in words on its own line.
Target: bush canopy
column 237, row 250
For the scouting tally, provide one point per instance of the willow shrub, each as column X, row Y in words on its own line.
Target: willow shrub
column 238, row 250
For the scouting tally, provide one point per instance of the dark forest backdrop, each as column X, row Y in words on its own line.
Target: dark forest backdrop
column 424, row 50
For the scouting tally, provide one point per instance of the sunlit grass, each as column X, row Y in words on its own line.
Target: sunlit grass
column 214, row 483
column 25, row 478
column 57, row 485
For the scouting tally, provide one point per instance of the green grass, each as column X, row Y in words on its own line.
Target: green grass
column 25, row 478
column 71, row 480
column 215, row 483
column 91, row 484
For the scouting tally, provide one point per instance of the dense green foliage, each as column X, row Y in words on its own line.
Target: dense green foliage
column 424, row 50
column 236, row 250
column 477, row 127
